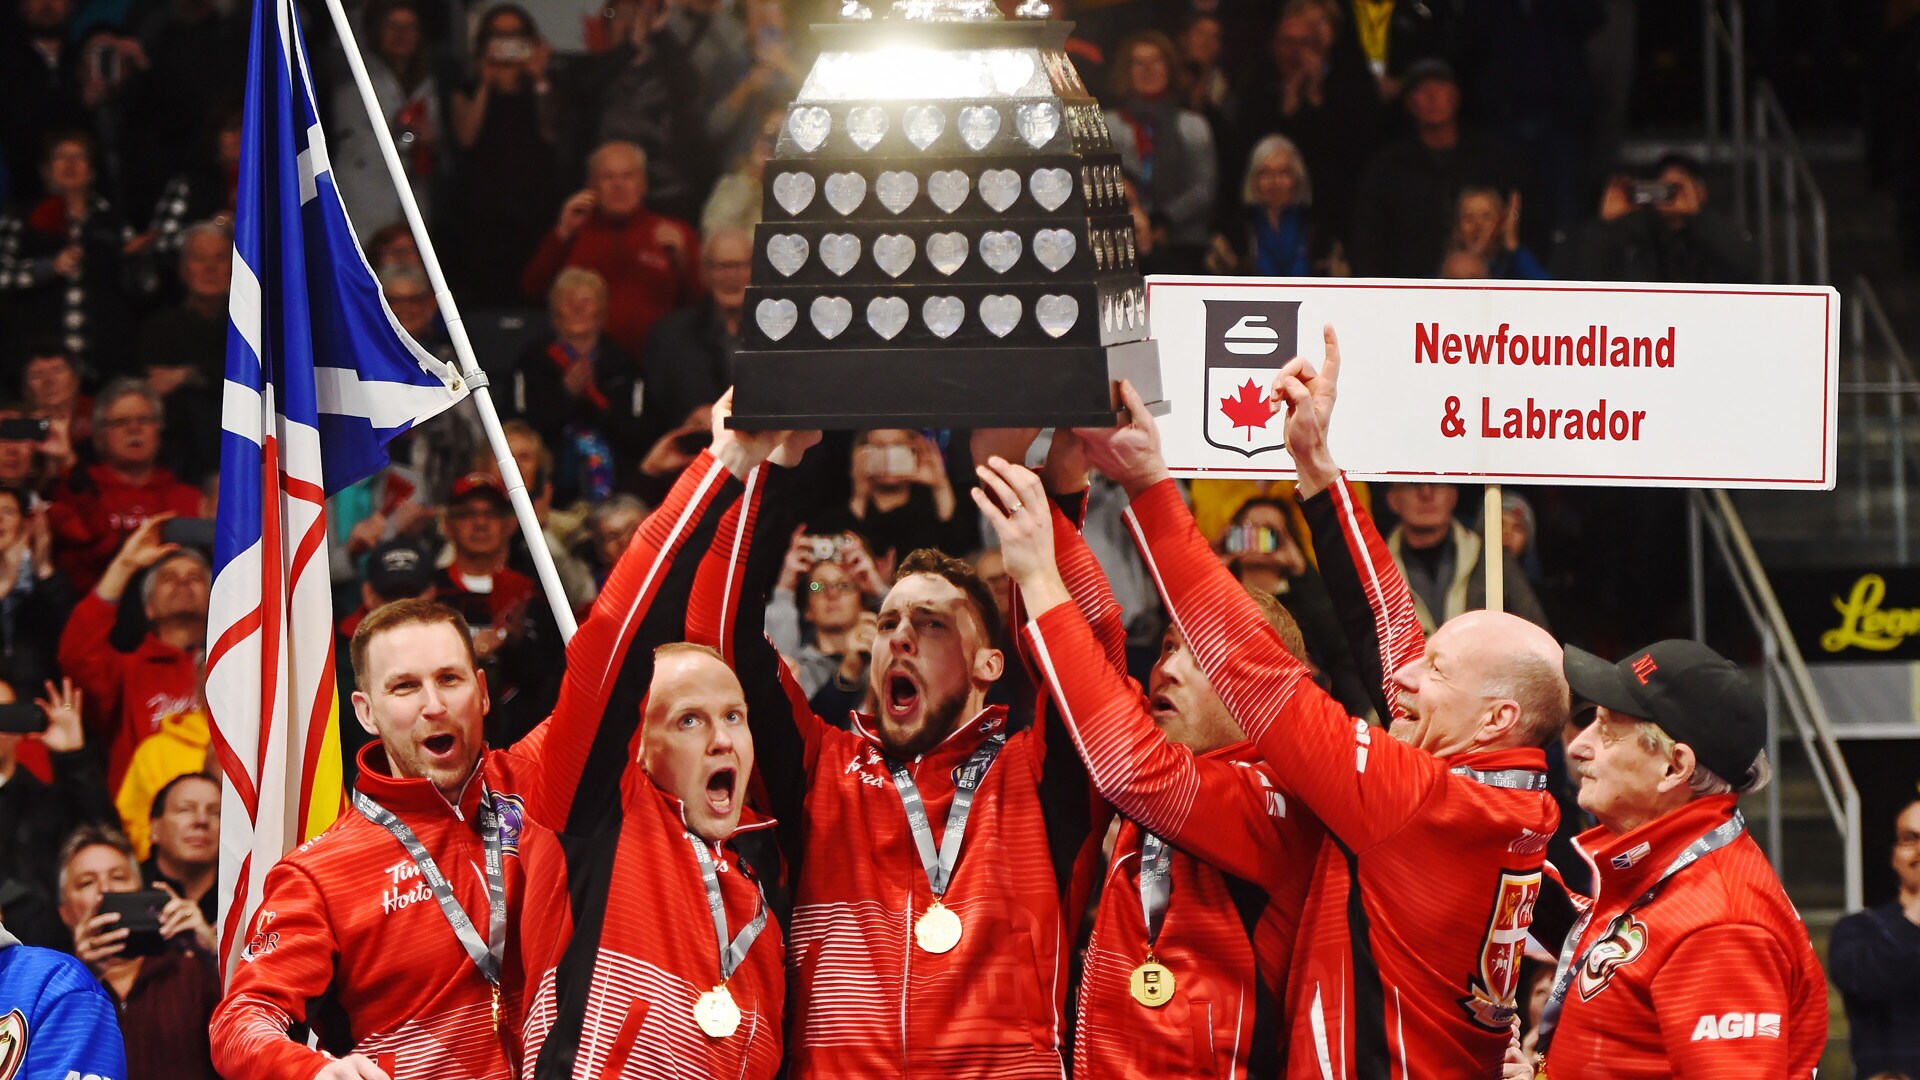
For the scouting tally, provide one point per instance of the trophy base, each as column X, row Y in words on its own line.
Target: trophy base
column 855, row 389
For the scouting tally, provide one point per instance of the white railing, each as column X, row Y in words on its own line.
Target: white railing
column 1723, row 35
column 1882, row 376
column 1794, row 247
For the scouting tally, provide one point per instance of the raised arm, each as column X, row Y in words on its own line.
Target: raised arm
column 1157, row 783
column 643, row 604
column 1357, row 780
column 1369, row 594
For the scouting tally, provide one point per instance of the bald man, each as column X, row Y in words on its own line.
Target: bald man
column 651, row 262
column 1409, row 949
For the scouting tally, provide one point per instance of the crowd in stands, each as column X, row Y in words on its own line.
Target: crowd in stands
column 596, row 174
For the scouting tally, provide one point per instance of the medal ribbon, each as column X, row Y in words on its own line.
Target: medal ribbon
column 731, row 952
column 1518, row 779
column 486, row 956
column 1720, row 836
column 1156, row 883
column 940, row 869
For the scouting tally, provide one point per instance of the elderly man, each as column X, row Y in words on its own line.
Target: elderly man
column 1874, row 959
column 98, row 506
column 1409, row 947
column 130, row 694
column 1445, row 562
column 165, row 996
column 648, row 260
column 582, row 393
column 184, row 351
column 1691, row 960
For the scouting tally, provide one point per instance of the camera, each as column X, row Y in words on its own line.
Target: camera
column 1650, row 192
column 510, row 50
column 891, row 461
column 826, row 548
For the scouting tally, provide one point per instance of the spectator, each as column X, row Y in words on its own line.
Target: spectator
column 718, row 54
column 610, row 528
column 165, row 1002
column 1280, row 238
column 455, row 443
column 1488, row 226
column 764, row 88
column 1520, row 533
column 177, row 749
column 828, row 636
column 689, row 362
column 902, row 499
column 64, row 260
column 1874, row 958
column 1658, row 230
column 392, row 244
column 68, row 1021
column 1394, row 36
column 130, row 694
column 36, row 814
column 647, row 259
column 1260, row 548
column 581, row 393
column 184, row 351
column 37, row 91
column 391, row 504
column 1209, row 92
column 515, row 640
column 643, row 93
column 535, row 463
column 736, row 199
column 206, row 190
column 1324, row 99
column 1168, row 146
column 1410, row 190
column 33, row 596
column 990, row 566
column 506, row 139
column 28, row 464
column 185, row 826
column 50, row 384
column 409, row 101
column 1445, row 562
column 97, row 507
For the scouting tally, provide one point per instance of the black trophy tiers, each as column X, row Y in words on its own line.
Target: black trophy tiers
column 946, row 240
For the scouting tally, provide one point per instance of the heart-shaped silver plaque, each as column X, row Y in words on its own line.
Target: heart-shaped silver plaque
column 839, row 252
column 946, row 251
column 1038, row 122
column 896, row 190
column 948, row 189
column 1050, row 187
column 1056, row 313
column 809, row 127
column 776, row 318
column 943, row 314
column 865, row 125
column 793, row 191
column 923, row 124
column 893, row 253
column 1000, row 249
column 999, row 188
column 978, row 125
column 887, row 315
column 1054, row 248
column 846, row 191
column 787, row 252
column 1000, row 314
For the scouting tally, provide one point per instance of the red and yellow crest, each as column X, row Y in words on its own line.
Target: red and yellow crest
column 1490, row 990
column 13, row 1044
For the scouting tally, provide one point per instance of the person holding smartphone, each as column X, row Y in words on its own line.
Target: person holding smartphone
column 147, row 949
column 902, row 499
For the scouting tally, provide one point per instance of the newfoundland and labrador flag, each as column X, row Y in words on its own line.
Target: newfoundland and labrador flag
column 319, row 377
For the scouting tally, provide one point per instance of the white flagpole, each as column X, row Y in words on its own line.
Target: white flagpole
column 457, row 332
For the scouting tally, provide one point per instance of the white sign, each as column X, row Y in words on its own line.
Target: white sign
column 1727, row 386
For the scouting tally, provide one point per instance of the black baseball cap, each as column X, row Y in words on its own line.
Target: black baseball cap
column 1693, row 693
column 397, row 570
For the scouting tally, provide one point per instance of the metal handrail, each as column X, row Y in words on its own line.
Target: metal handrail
column 1865, row 311
column 1774, row 143
column 1785, row 671
column 1723, row 33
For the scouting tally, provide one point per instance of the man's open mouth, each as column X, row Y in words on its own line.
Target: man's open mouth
column 720, row 791
column 439, row 745
column 902, row 694
column 1162, row 707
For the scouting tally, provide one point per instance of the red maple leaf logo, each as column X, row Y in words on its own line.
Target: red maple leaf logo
column 1248, row 409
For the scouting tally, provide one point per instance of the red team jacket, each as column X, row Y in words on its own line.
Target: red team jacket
column 1410, row 943
column 867, row 1002
column 1239, row 867
column 618, row 939
column 349, row 940
column 1713, row 978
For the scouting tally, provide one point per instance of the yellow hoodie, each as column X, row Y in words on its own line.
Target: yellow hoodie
column 179, row 747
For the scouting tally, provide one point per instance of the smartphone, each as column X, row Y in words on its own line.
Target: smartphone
column 510, row 50
column 25, row 429
column 891, row 461
column 22, row 718
column 106, row 61
column 140, row 914
column 1252, row 540
column 1650, row 193
column 188, row 532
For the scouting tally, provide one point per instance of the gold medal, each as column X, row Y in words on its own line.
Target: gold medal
column 496, row 1008
column 717, row 1013
column 938, row 929
column 1152, row 983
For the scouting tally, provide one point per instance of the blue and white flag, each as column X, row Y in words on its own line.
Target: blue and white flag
column 319, row 377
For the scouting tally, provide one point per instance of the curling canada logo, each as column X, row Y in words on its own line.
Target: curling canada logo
column 1248, row 342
